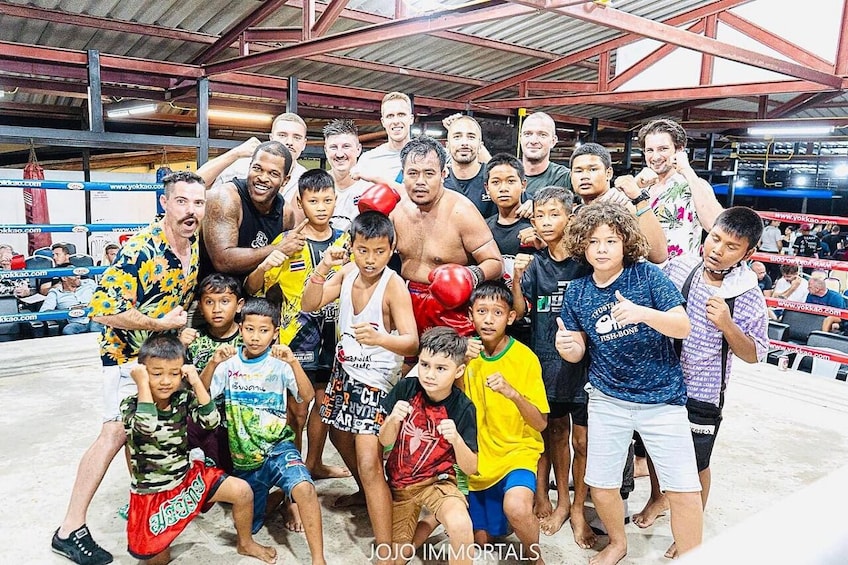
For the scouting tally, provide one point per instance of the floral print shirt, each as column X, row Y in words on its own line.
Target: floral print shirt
column 675, row 209
column 147, row 276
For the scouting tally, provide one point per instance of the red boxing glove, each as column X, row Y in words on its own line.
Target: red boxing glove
column 451, row 285
column 18, row 263
column 380, row 197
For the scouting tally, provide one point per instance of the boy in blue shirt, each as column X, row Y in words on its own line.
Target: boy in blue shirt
column 622, row 316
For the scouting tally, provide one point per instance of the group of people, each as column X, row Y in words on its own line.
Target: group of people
column 476, row 352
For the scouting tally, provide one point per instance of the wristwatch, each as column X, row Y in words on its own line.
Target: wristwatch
column 643, row 196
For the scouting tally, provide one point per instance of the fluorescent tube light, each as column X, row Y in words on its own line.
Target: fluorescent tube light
column 772, row 131
column 243, row 116
column 126, row 111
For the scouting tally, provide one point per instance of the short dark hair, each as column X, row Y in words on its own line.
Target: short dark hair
column 788, row 269
column 422, row 146
column 110, row 246
column 741, row 221
column 189, row 177
column 663, row 125
column 505, row 159
column 161, row 346
column 275, row 148
column 591, row 216
column 340, row 127
column 372, row 224
column 63, row 246
column 592, row 149
column 442, row 340
column 261, row 307
column 557, row 194
column 315, row 180
column 495, row 289
column 220, row 282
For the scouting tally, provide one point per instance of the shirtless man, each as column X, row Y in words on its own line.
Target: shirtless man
column 244, row 216
column 436, row 227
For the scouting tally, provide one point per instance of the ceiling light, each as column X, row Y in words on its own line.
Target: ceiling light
column 801, row 180
column 240, row 116
column 841, row 170
column 126, row 110
column 772, row 131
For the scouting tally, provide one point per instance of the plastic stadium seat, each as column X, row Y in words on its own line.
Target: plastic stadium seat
column 801, row 324
column 82, row 260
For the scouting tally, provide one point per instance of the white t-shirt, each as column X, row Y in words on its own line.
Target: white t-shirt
column 347, row 201
column 800, row 294
column 241, row 167
column 771, row 235
column 380, row 161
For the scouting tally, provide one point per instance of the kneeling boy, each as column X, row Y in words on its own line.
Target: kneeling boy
column 433, row 426
column 162, row 475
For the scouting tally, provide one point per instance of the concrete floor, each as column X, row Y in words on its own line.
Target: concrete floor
column 782, row 432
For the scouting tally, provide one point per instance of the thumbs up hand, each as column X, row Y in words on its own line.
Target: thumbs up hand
column 564, row 341
column 626, row 312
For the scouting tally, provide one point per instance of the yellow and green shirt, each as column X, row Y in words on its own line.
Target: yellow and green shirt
column 312, row 336
column 147, row 276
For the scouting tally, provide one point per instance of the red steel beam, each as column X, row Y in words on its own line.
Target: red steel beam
column 659, row 95
column 609, row 45
column 273, row 34
column 713, row 125
column 562, row 86
column 79, row 20
column 708, row 61
column 329, row 17
column 259, row 14
column 368, row 35
column 308, row 20
column 395, row 70
column 365, row 17
column 617, row 19
column 775, row 42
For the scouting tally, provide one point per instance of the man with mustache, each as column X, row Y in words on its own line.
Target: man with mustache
column 246, row 215
column 146, row 290
column 342, row 148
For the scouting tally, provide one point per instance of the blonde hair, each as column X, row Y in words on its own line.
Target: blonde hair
column 288, row 117
column 396, row 96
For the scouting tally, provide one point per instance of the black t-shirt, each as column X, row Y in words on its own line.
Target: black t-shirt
column 420, row 452
column 506, row 238
column 543, row 286
column 765, row 283
column 806, row 245
column 474, row 189
column 256, row 229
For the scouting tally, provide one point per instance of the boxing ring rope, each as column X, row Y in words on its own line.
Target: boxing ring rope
column 809, row 262
column 59, row 315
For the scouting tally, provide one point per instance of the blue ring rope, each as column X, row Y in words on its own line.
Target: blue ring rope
column 81, row 185
column 44, row 316
column 52, row 272
column 67, row 228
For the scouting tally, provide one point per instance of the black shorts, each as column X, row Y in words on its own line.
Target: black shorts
column 579, row 411
column 704, row 421
column 319, row 377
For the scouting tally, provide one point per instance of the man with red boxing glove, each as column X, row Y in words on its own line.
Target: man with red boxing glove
column 444, row 244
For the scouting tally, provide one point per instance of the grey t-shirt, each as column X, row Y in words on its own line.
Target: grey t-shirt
column 554, row 175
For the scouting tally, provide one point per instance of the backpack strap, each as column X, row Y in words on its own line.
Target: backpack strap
column 725, row 347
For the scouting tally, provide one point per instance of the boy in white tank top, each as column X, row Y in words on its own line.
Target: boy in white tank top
column 377, row 328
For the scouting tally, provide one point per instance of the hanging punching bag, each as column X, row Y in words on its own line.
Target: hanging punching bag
column 35, row 204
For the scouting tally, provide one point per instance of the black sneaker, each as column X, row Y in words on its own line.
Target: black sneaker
column 81, row 548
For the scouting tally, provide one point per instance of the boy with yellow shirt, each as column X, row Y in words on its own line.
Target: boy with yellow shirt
column 509, row 424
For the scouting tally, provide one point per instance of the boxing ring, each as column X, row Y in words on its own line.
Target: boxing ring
column 94, row 247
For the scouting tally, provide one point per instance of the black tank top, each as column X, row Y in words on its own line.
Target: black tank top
column 256, row 229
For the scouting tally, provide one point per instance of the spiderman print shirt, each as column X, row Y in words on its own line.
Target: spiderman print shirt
column 420, row 453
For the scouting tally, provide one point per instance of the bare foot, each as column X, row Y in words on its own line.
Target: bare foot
column 355, row 499
column 640, row 467
column 291, row 516
column 551, row 523
column 654, row 508
column 542, row 507
column 610, row 555
column 261, row 552
column 329, row 472
column 671, row 552
column 584, row 537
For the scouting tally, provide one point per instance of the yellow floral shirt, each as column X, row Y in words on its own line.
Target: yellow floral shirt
column 147, row 276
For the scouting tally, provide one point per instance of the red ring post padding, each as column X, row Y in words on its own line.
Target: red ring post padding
column 804, row 350
column 796, row 218
column 818, row 309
